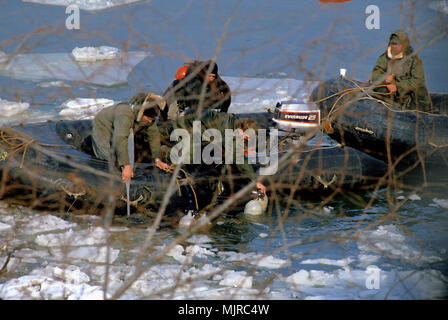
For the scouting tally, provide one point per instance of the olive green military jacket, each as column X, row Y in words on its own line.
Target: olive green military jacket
column 111, row 128
column 215, row 120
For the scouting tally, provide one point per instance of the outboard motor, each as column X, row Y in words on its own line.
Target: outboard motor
column 296, row 117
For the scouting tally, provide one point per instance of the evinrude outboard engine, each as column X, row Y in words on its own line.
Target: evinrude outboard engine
column 296, row 117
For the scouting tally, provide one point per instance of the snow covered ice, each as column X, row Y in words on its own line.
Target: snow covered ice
column 83, row 108
column 62, row 66
column 11, row 108
column 256, row 94
column 88, row 5
column 92, row 54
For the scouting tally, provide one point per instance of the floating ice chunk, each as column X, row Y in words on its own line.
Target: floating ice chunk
column 91, row 236
column 340, row 263
column 62, row 66
column 85, row 103
column 88, row 5
column 118, row 229
column 414, row 197
column 198, row 251
column 91, row 54
column 236, row 256
column 368, row 259
column 84, row 108
column 199, row 238
column 3, row 57
column 238, row 279
column 10, row 108
column 46, row 223
column 27, row 253
column 177, row 253
column 389, row 241
column 310, row 278
column 441, row 202
column 95, row 254
column 25, row 287
column 53, row 84
column 270, row 262
column 5, row 227
column 71, row 274
column 440, row 6
column 255, row 94
column 259, row 260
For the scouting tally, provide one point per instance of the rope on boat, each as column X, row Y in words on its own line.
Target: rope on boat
column 133, row 202
column 327, row 125
column 60, row 183
column 14, row 146
column 179, row 181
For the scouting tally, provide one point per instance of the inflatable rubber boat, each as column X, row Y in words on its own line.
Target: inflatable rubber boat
column 51, row 165
column 404, row 139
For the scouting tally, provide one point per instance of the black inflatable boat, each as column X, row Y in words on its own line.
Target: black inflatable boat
column 404, row 139
column 51, row 165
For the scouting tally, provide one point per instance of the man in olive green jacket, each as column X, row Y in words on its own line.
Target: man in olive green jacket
column 111, row 128
column 401, row 70
column 220, row 121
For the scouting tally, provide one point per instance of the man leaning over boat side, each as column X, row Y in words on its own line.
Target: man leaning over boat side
column 401, row 70
column 200, row 86
column 111, row 128
column 220, row 121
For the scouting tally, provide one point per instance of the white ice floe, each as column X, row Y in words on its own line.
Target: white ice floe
column 70, row 274
column 88, row 5
column 414, row 197
column 339, row 263
column 28, row 254
column 5, row 227
column 238, row 279
column 62, row 66
column 118, row 229
column 3, row 57
column 92, row 54
column 46, row 223
column 40, row 286
column 391, row 242
column 199, row 238
column 88, row 237
column 440, row 6
column 310, row 278
column 259, row 260
column 257, row 94
column 354, row 284
column 199, row 251
column 11, row 108
column 270, row 262
column 177, row 253
column 53, row 84
column 84, row 108
column 94, row 254
column 443, row 203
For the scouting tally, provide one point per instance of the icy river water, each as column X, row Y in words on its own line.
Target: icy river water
column 268, row 51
